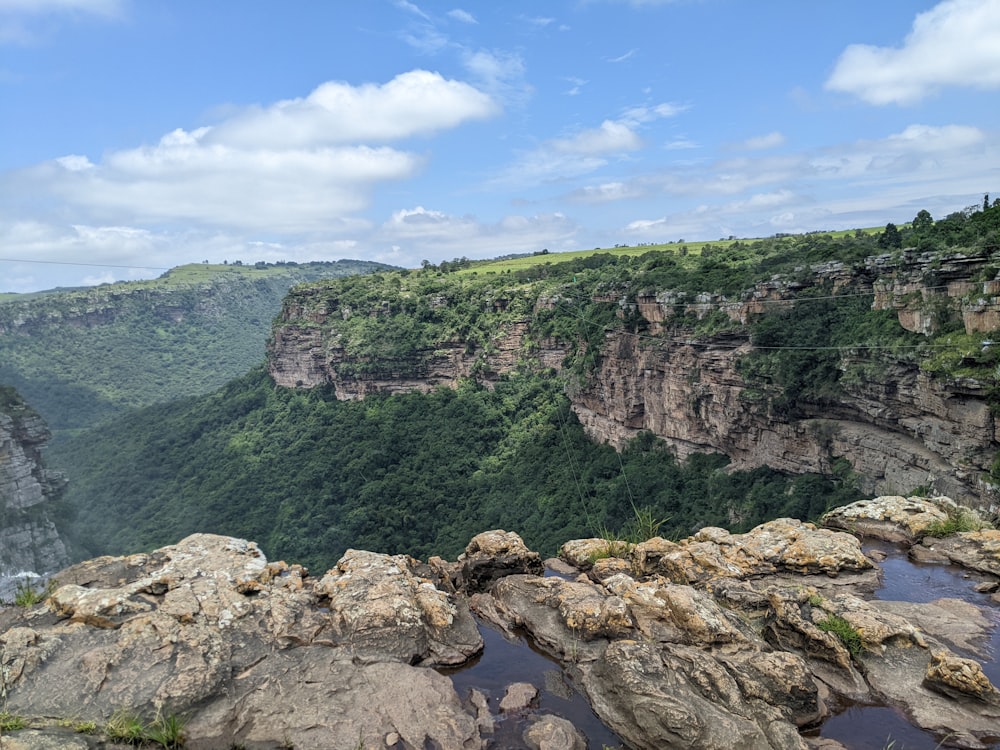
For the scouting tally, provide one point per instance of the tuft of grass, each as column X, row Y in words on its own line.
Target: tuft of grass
column 11, row 722
column 166, row 730
column 27, row 595
column 846, row 632
column 958, row 520
column 125, row 726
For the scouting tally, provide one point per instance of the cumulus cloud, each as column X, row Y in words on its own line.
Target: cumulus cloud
column 417, row 102
column 609, row 138
column 606, row 192
column 953, row 44
column 296, row 166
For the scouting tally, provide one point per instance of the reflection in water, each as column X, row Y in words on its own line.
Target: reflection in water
column 874, row 727
column 504, row 662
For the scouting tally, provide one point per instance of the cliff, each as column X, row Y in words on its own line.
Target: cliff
column 682, row 364
column 29, row 541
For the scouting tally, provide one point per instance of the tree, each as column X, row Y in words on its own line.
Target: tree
column 890, row 237
column 923, row 222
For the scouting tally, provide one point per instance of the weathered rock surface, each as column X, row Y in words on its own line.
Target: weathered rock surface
column 248, row 652
column 29, row 540
column 784, row 545
column 976, row 550
column 716, row 641
column 891, row 517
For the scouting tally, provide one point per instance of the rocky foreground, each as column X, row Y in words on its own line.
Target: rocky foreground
column 716, row 641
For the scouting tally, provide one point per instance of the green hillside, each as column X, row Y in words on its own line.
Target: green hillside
column 80, row 356
column 308, row 476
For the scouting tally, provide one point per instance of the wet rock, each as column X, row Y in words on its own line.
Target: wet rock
column 956, row 676
column 493, row 555
column 553, row 733
column 893, row 518
column 518, row 697
column 960, row 624
column 679, row 696
column 975, row 550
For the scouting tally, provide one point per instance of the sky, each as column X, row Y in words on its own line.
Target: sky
column 138, row 135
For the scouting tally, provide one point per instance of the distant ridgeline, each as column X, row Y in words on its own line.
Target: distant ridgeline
column 81, row 355
column 740, row 380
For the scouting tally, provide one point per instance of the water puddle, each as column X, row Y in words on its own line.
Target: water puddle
column 504, row 662
column 875, row 727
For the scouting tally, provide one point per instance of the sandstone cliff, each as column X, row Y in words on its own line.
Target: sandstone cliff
column 28, row 537
column 898, row 424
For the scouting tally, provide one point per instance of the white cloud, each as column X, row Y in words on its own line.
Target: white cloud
column 606, row 193
column 424, row 233
column 95, row 7
column 953, row 44
column 462, row 16
column 502, row 74
column 414, row 103
column 611, row 137
column 411, row 8
column 297, row 166
column 761, row 142
column 623, row 57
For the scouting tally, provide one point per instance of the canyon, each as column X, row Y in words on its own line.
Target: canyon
column 897, row 424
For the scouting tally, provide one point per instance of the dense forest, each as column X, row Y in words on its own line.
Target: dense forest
column 308, row 475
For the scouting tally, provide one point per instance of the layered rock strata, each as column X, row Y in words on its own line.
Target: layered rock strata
column 898, row 427
column 29, row 540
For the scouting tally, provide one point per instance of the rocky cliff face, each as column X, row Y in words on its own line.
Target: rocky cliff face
column 28, row 537
column 898, row 426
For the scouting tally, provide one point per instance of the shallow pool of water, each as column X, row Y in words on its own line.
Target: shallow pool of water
column 874, row 727
column 504, row 662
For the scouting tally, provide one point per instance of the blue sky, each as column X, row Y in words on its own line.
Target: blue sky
column 143, row 134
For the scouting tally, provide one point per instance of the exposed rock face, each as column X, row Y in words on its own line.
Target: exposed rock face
column 897, row 426
column 250, row 652
column 717, row 641
column 28, row 537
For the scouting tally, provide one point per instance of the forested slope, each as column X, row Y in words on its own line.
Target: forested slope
column 79, row 356
column 307, row 475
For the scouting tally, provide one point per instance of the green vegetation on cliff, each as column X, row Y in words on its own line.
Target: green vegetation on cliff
column 80, row 356
column 307, row 475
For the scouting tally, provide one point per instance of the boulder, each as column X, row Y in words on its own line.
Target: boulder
column 549, row 732
column 975, row 550
column 780, row 546
column 492, row 555
column 246, row 651
column 893, row 518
